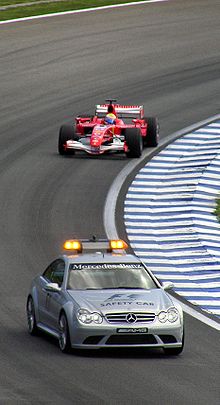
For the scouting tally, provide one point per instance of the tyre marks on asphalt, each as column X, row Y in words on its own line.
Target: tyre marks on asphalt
column 169, row 216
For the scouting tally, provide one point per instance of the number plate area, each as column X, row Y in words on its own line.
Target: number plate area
column 132, row 330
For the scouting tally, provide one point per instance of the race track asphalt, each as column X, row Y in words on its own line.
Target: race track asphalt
column 164, row 55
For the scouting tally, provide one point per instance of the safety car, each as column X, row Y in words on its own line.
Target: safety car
column 128, row 133
column 95, row 295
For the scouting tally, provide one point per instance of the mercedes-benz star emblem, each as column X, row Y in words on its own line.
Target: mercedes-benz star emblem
column 131, row 318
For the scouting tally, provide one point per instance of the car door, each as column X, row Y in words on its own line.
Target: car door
column 54, row 300
column 53, row 274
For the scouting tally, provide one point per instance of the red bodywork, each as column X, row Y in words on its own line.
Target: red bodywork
column 100, row 134
column 128, row 133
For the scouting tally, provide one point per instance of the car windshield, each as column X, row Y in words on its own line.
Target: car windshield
column 109, row 276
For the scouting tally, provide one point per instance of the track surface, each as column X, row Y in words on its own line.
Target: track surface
column 163, row 55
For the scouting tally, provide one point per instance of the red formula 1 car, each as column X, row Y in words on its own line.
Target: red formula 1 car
column 128, row 132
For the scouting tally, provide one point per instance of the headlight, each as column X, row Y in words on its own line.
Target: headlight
column 162, row 316
column 87, row 317
column 171, row 315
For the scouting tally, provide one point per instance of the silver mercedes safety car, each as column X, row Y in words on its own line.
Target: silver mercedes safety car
column 97, row 296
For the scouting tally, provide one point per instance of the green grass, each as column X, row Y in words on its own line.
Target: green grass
column 217, row 209
column 48, row 8
column 14, row 2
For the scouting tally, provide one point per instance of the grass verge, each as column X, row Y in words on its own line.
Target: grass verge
column 21, row 9
column 217, row 209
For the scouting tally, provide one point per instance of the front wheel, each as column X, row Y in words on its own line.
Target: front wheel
column 67, row 132
column 133, row 139
column 31, row 318
column 64, row 336
column 152, row 135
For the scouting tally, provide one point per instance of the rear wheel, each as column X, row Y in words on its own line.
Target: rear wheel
column 64, row 336
column 31, row 318
column 152, row 135
column 67, row 132
column 134, row 142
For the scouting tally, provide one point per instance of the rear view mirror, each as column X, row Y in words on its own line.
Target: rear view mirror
column 167, row 285
column 52, row 287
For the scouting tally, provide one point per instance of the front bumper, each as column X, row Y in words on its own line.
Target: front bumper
column 142, row 335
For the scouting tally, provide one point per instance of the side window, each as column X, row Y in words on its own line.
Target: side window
column 48, row 272
column 55, row 272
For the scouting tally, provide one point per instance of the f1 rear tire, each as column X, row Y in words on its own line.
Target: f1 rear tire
column 152, row 136
column 133, row 139
column 67, row 132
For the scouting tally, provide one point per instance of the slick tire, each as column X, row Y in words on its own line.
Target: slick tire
column 134, row 142
column 64, row 335
column 152, row 136
column 31, row 318
column 67, row 132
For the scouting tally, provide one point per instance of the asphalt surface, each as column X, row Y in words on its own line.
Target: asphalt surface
column 164, row 55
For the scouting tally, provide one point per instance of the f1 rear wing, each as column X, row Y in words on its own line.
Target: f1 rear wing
column 121, row 110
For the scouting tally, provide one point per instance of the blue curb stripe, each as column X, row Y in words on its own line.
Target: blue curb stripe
column 169, row 217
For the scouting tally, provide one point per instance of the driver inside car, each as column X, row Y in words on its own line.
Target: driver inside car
column 110, row 119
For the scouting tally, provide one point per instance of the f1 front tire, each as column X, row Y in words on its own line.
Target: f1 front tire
column 67, row 132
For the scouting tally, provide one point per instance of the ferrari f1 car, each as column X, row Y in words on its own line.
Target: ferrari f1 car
column 129, row 132
column 97, row 296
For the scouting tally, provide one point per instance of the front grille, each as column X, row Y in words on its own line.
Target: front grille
column 131, row 340
column 141, row 317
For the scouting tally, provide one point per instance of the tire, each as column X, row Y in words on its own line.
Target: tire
column 67, row 132
column 152, row 136
column 31, row 318
column 134, row 142
column 64, row 336
column 174, row 351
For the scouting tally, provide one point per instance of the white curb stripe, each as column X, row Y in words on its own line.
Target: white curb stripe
column 85, row 10
column 111, row 231
column 196, row 261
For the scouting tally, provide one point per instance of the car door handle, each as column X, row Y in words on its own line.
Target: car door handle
column 47, row 292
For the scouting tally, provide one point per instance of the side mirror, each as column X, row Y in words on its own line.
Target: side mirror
column 167, row 285
column 52, row 287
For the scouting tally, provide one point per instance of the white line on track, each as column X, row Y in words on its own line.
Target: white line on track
column 85, row 10
column 111, row 200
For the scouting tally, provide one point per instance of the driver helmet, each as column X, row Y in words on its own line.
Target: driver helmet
column 110, row 118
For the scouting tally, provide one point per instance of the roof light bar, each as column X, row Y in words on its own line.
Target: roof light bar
column 106, row 245
column 118, row 244
column 73, row 244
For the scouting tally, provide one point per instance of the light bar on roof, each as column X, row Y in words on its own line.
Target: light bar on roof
column 118, row 244
column 73, row 244
column 95, row 245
